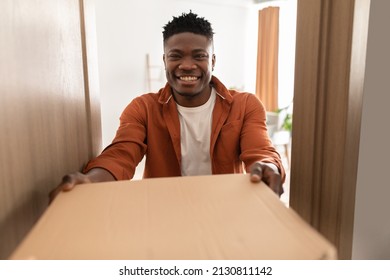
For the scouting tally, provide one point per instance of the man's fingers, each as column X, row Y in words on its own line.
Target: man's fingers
column 256, row 173
column 275, row 184
column 269, row 174
column 272, row 179
column 68, row 183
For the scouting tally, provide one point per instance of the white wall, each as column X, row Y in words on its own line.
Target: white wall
column 372, row 209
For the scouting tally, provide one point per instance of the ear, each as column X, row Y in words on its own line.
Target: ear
column 164, row 59
column 213, row 59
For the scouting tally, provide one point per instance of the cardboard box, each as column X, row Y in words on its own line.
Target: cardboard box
column 218, row 217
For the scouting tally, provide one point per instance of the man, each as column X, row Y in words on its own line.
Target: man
column 192, row 126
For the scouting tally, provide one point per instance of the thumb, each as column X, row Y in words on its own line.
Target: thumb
column 68, row 182
column 256, row 172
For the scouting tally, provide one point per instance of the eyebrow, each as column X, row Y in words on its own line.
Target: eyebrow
column 193, row 51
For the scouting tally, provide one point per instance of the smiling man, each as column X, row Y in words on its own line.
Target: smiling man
column 192, row 126
column 189, row 61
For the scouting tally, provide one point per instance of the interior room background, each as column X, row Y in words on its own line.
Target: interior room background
column 129, row 31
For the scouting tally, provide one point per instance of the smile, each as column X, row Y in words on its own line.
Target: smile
column 188, row 78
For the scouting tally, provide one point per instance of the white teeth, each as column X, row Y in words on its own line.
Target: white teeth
column 188, row 78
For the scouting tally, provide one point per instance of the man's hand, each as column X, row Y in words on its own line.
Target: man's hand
column 268, row 173
column 69, row 181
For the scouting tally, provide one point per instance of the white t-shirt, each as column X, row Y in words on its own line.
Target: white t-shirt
column 195, row 131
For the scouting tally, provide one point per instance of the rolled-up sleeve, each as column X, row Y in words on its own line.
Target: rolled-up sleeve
column 255, row 142
column 127, row 149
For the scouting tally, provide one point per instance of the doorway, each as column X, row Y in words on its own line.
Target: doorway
column 279, row 119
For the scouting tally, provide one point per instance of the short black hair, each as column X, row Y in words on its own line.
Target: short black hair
column 188, row 23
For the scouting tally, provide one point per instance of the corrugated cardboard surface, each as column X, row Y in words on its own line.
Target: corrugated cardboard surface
column 216, row 217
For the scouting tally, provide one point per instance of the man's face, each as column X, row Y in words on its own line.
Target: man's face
column 189, row 61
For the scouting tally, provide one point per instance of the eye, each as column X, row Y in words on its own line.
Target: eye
column 201, row 56
column 173, row 56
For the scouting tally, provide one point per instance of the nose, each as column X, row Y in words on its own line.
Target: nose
column 187, row 64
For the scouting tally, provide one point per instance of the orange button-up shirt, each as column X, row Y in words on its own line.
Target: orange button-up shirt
column 149, row 126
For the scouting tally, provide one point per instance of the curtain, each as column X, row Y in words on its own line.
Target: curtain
column 267, row 58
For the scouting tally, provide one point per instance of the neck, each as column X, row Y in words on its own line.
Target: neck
column 192, row 100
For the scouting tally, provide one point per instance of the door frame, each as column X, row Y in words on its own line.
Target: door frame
column 328, row 95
